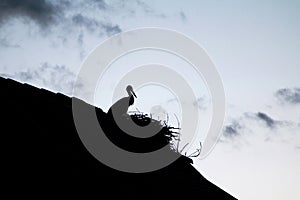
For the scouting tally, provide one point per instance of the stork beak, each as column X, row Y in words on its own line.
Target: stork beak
column 133, row 94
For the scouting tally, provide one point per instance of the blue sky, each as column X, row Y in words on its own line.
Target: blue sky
column 255, row 46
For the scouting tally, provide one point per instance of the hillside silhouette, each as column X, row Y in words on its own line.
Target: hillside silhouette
column 43, row 152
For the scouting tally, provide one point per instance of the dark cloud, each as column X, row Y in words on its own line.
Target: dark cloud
column 267, row 119
column 47, row 12
column 111, row 29
column 42, row 12
column 288, row 95
column 80, row 20
column 232, row 129
column 93, row 25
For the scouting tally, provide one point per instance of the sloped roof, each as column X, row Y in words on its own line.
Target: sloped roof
column 43, row 149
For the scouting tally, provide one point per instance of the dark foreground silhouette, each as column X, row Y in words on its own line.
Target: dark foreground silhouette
column 42, row 152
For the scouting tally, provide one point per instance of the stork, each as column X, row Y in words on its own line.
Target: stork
column 121, row 106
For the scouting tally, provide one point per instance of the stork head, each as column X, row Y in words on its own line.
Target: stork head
column 130, row 91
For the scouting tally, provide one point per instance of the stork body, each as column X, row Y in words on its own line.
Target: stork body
column 121, row 106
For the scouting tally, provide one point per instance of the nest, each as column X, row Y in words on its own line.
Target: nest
column 163, row 135
column 139, row 132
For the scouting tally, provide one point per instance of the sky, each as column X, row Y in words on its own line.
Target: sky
column 254, row 45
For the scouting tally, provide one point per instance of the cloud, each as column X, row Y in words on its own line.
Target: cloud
column 145, row 7
column 100, row 4
column 182, row 16
column 232, row 130
column 43, row 12
column 111, row 29
column 288, row 95
column 80, row 42
column 5, row 43
column 201, row 103
column 92, row 24
column 80, row 38
column 86, row 22
column 46, row 13
column 57, row 30
column 56, row 78
column 267, row 119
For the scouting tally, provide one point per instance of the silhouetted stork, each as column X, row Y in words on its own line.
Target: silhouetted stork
column 121, row 106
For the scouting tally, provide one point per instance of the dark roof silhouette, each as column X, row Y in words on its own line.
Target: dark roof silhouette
column 43, row 152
